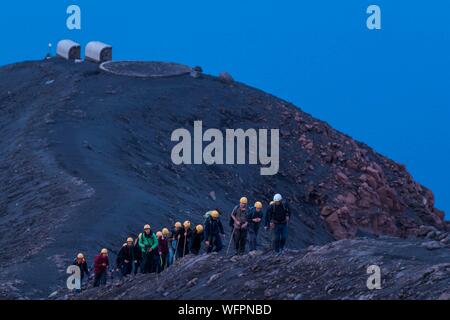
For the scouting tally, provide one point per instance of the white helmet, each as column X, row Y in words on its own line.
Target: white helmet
column 277, row 197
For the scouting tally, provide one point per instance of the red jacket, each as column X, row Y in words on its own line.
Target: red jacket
column 163, row 245
column 99, row 260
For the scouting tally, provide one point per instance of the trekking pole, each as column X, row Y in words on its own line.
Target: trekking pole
column 184, row 246
column 176, row 249
column 231, row 239
column 210, row 241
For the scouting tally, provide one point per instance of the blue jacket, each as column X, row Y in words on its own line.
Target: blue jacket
column 253, row 214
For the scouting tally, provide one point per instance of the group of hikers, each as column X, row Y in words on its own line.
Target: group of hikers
column 153, row 252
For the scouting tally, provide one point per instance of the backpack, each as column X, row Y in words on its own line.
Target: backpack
column 279, row 213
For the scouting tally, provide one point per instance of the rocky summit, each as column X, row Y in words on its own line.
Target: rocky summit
column 86, row 161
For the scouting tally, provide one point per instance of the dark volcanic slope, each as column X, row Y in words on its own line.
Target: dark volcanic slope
column 85, row 161
column 334, row 271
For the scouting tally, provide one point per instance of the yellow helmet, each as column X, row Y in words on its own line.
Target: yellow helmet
column 187, row 224
column 159, row 234
column 165, row 232
column 130, row 239
column 178, row 225
column 243, row 200
column 214, row 214
column 147, row 227
column 258, row 205
column 104, row 251
column 199, row 228
column 80, row 256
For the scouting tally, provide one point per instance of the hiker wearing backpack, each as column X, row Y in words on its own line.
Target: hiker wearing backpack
column 213, row 232
column 173, row 241
column 207, row 215
column 125, row 257
column 148, row 244
column 197, row 239
column 101, row 264
column 184, row 240
column 163, row 249
column 254, row 218
column 277, row 218
column 240, row 226
column 80, row 262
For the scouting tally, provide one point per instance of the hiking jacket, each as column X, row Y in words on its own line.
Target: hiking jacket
column 99, row 260
column 83, row 266
column 213, row 228
column 147, row 241
column 197, row 239
column 253, row 214
column 125, row 253
column 175, row 233
column 163, row 245
column 240, row 215
column 137, row 252
column 188, row 237
column 277, row 214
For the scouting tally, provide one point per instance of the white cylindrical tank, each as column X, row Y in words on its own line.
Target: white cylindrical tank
column 68, row 49
column 98, row 52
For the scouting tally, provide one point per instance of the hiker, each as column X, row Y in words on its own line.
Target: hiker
column 213, row 232
column 278, row 215
column 197, row 239
column 80, row 262
column 184, row 239
column 149, row 244
column 207, row 215
column 174, row 242
column 254, row 217
column 163, row 249
column 137, row 256
column 239, row 216
column 125, row 258
column 101, row 264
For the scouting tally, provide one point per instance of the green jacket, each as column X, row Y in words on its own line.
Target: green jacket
column 147, row 242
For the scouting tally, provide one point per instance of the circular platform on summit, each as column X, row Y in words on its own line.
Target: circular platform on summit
column 151, row 69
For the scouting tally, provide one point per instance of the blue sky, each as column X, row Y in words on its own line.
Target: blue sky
column 387, row 88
